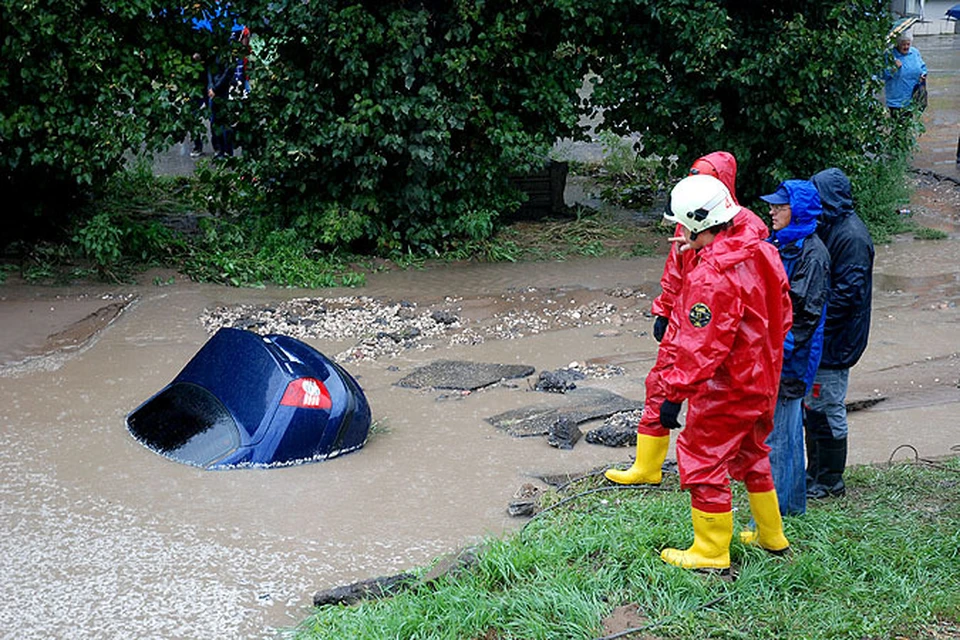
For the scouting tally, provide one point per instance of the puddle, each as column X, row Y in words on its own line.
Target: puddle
column 104, row 536
column 914, row 284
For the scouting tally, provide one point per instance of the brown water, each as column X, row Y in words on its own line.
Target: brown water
column 101, row 538
column 942, row 117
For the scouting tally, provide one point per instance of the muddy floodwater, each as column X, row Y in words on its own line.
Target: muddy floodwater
column 102, row 538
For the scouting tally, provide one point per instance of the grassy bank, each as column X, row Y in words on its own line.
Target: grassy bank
column 208, row 227
column 883, row 562
column 191, row 224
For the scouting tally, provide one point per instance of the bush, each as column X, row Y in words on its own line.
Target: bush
column 100, row 240
column 880, row 189
column 387, row 126
column 788, row 88
column 244, row 253
column 393, row 127
column 81, row 85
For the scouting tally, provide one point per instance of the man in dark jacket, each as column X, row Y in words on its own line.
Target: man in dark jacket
column 845, row 333
column 220, row 75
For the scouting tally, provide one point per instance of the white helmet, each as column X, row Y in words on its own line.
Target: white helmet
column 699, row 202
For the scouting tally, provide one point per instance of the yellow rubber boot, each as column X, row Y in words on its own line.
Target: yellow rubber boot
column 651, row 452
column 766, row 513
column 712, row 533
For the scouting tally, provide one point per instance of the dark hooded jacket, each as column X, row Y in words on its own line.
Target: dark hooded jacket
column 807, row 263
column 851, row 272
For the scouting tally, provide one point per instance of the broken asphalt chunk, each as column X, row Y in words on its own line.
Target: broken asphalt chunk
column 460, row 374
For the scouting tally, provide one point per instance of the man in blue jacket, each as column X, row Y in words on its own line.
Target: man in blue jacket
column 846, row 332
column 794, row 210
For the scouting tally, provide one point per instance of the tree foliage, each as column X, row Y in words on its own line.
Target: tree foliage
column 394, row 125
column 398, row 123
column 81, row 84
column 787, row 87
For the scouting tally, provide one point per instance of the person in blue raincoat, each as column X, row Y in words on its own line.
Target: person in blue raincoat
column 795, row 208
column 906, row 70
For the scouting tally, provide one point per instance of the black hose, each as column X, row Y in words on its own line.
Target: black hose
column 620, row 487
column 926, row 461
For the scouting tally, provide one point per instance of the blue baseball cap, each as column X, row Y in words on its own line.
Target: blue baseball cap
column 780, row 196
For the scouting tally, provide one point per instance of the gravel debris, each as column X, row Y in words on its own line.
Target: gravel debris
column 594, row 371
column 386, row 328
column 624, row 420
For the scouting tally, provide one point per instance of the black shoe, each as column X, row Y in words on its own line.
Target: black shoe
column 833, row 460
column 821, row 491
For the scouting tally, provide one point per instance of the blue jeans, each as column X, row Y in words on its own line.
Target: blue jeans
column 829, row 396
column 786, row 457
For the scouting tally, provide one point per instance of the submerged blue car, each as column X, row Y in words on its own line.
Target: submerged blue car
column 249, row 400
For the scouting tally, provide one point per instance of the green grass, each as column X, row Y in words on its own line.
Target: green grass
column 188, row 223
column 926, row 233
column 589, row 234
column 184, row 222
column 883, row 562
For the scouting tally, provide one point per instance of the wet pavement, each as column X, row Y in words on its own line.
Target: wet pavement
column 938, row 144
column 102, row 538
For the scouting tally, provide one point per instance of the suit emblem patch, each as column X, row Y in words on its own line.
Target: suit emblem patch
column 700, row 315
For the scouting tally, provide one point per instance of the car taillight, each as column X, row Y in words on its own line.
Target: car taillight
column 307, row 393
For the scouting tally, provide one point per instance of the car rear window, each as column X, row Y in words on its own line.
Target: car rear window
column 187, row 423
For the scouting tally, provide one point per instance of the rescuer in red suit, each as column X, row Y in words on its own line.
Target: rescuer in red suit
column 725, row 340
column 652, row 439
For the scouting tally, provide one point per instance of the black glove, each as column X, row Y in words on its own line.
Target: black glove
column 669, row 414
column 660, row 328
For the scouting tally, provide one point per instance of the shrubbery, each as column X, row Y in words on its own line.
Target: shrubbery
column 787, row 87
column 81, row 85
column 392, row 127
column 395, row 125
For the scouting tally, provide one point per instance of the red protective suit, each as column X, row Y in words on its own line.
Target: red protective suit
column 723, row 166
column 725, row 339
